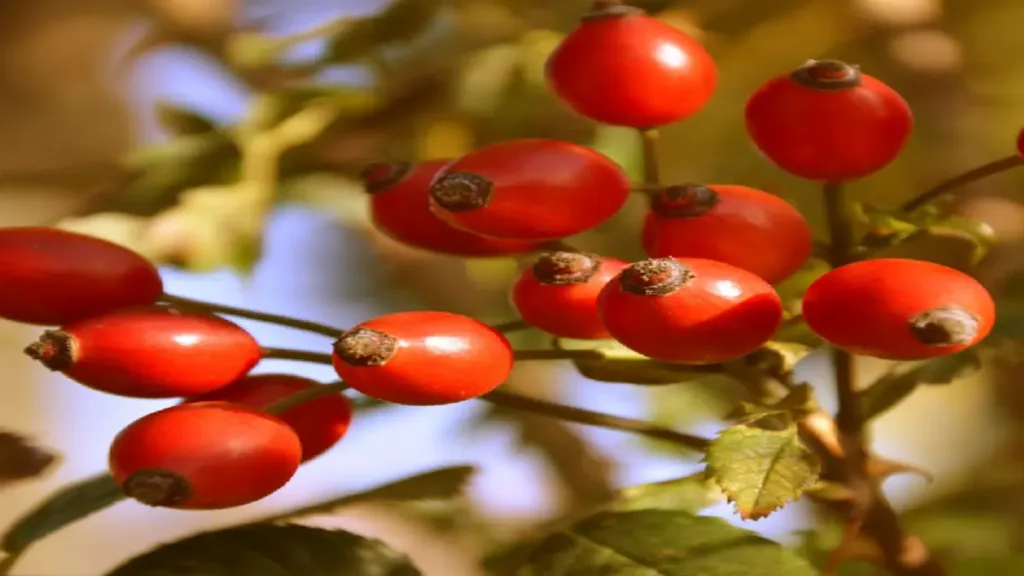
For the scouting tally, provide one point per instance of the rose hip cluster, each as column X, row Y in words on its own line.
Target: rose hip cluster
column 704, row 296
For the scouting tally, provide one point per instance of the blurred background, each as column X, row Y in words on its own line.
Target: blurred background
column 111, row 109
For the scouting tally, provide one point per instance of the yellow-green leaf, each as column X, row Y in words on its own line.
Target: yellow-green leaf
column 889, row 390
column 401, row 21
column 947, row 246
column 182, row 121
column 616, row 363
column 691, row 493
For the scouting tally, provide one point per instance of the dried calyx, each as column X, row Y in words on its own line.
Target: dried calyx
column 945, row 326
column 827, row 75
column 55, row 349
column 610, row 9
column 560, row 268
column 684, row 201
column 655, row 277
column 382, row 175
column 462, row 191
column 365, row 347
column 157, row 487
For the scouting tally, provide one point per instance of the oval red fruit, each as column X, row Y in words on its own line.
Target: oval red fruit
column 400, row 208
column 899, row 309
column 320, row 422
column 625, row 68
column 829, row 122
column 742, row 226
column 1020, row 144
column 150, row 352
column 204, row 456
column 690, row 310
column 558, row 294
column 529, row 190
column 51, row 277
column 423, row 358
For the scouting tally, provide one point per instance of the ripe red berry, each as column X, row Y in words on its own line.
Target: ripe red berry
column 400, row 207
column 204, row 456
column 149, row 352
column 827, row 121
column 423, row 358
column 899, row 309
column 320, row 422
column 625, row 68
column 1020, row 144
column 558, row 294
column 529, row 190
column 51, row 277
column 747, row 228
column 690, row 310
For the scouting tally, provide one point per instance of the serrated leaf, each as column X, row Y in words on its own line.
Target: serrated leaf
column 401, row 21
column 942, row 245
column 663, row 543
column 691, row 494
column 761, row 470
column 69, row 505
column 613, row 362
column 21, row 459
column 269, row 550
column 182, row 121
column 893, row 387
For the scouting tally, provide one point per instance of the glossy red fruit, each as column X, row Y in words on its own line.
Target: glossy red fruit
column 899, row 309
column 150, row 352
column 1020, row 144
column 320, row 422
column 827, row 121
column 423, row 358
column 742, row 226
column 558, row 294
column 400, row 207
column 690, row 310
column 625, row 68
column 529, row 190
column 204, row 456
column 51, row 277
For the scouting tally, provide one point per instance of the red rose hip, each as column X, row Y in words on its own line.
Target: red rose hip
column 529, row 190
column 150, row 352
column 625, row 68
column 51, row 277
column 423, row 358
column 742, row 226
column 204, row 456
column 400, row 208
column 899, row 309
column 558, row 294
column 690, row 310
column 320, row 422
column 829, row 122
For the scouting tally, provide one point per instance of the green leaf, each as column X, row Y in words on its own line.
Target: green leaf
column 792, row 289
column 401, row 22
column 761, row 470
column 616, row 363
column 691, row 494
column 882, row 228
column 21, row 459
column 62, row 508
column 180, row 121
column 269, row 550
column 889, row 390
column 777, row 358
column 1010, row 564
column 948, row 246
column 662, row 543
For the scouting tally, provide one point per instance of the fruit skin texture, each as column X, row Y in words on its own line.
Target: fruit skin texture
column 228, row 455
column 402, row 211
column 423, row 358
column 51, row 277
column 529, row 189
column 867, row 307
column 745, row 227
column 719, row 313
column 320, row 423
column 568, row 309
column 631, row 70
column 150, row 352
column 1020, row 144
column 828, row 135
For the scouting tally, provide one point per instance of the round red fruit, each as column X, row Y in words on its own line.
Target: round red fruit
column 829, row 122
column 400, row 208
column 204, row 456
column 899, row 309
column 51, row 277
column 558, row 294
column 690, row 310
column 529, row 190
column 423, row 358
column 742, row 226
column 1020, row 144
column 625, row 68
column 150, row 352
column 320, row 422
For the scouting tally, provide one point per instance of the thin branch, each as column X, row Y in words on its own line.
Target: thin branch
column 960, row 180
column 305, row 325
column 297, row 355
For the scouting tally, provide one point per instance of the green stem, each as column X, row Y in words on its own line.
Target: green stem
column 305, row 325
column 984, row 171
column 649, row 145
column 296, row 355
column 511, row 326
column 527, row 355
column 286, row 404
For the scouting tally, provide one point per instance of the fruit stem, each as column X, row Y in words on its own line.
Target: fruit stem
column 287, row 403
column 511, row 326
column 280, row 320
column 527, row 355
column 649, row 146
column 296, row 355
column 974, row 174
